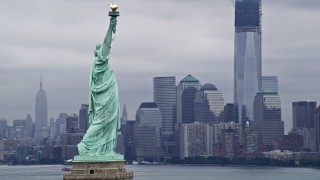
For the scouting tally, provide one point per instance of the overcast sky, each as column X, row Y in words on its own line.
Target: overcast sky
column 154, row 38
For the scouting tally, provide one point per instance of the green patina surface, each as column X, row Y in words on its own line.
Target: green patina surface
column 113, row 157
column 99, row 142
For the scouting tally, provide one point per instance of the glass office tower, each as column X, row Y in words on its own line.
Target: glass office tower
column 165, row 96
column 247, row 60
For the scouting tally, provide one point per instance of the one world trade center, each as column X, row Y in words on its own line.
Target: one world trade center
column 247, row 59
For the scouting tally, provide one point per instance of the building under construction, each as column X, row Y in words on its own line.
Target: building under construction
column 247, row 59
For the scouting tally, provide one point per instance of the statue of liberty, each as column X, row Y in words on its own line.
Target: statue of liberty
column 104, row 110
column 97, row 158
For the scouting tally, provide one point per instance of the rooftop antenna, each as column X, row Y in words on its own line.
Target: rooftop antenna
column 40, row 80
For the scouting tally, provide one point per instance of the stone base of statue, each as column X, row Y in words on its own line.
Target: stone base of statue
column 99, row 168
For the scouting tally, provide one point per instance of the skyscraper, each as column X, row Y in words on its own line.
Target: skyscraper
column 61, row 124
column 165, row 96
column 188, row 86
column 193, row 85
column 84, row 117
column 147, row 132
column 202, row 112
column 214, row 97
column 303, row 114
column 41, row 114
column 267, row 115
column 209, row 104
column 304, row 121
column 196, row 140
column 269, row 84
column 3, row 128
column 28, row 126
column 187, row 104
column 149, row 114
column 229, row 113
column 247, row 59
column 317, row 124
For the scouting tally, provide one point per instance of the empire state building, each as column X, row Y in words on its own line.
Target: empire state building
column 41, row 114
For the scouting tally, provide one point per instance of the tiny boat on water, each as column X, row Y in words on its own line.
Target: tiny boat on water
column 66, row 169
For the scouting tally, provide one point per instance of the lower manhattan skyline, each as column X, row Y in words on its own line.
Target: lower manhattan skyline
column 157, row 38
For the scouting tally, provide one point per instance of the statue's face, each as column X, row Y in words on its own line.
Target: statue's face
column 98, row 46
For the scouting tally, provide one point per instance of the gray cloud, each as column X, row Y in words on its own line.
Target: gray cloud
column 154, row 38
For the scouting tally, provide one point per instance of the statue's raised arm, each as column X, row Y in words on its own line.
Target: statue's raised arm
column 108, row 39
column 112, row 29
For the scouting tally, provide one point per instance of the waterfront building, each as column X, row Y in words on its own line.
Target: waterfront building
column 186, row 91
column 280, row 155
column 249, row 140
column 304, row 121
column 267, row 118
column 121, row 133
column 309, row 138
column 147, row 132
column 8, row 146
column 195, row 140
column 247, row 58
column 317, row 126
column 292, row 142
column 269, row 84
column 217, row 129
column 165, row 96
column 230, row 143
column 226, row 139
column 129, row 146
column 41, row 114
column 69, row 147
column 303, row 114
column 84, row 117
column 298, row 156
column 3, row 128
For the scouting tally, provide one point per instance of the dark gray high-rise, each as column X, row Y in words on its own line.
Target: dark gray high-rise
column 84, row 117
column 28, row 126
column 317, row 127
column 267, row 115
column 3, row 128
column 303, row 114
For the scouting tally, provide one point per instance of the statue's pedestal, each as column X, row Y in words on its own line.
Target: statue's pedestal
column 101, row 170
